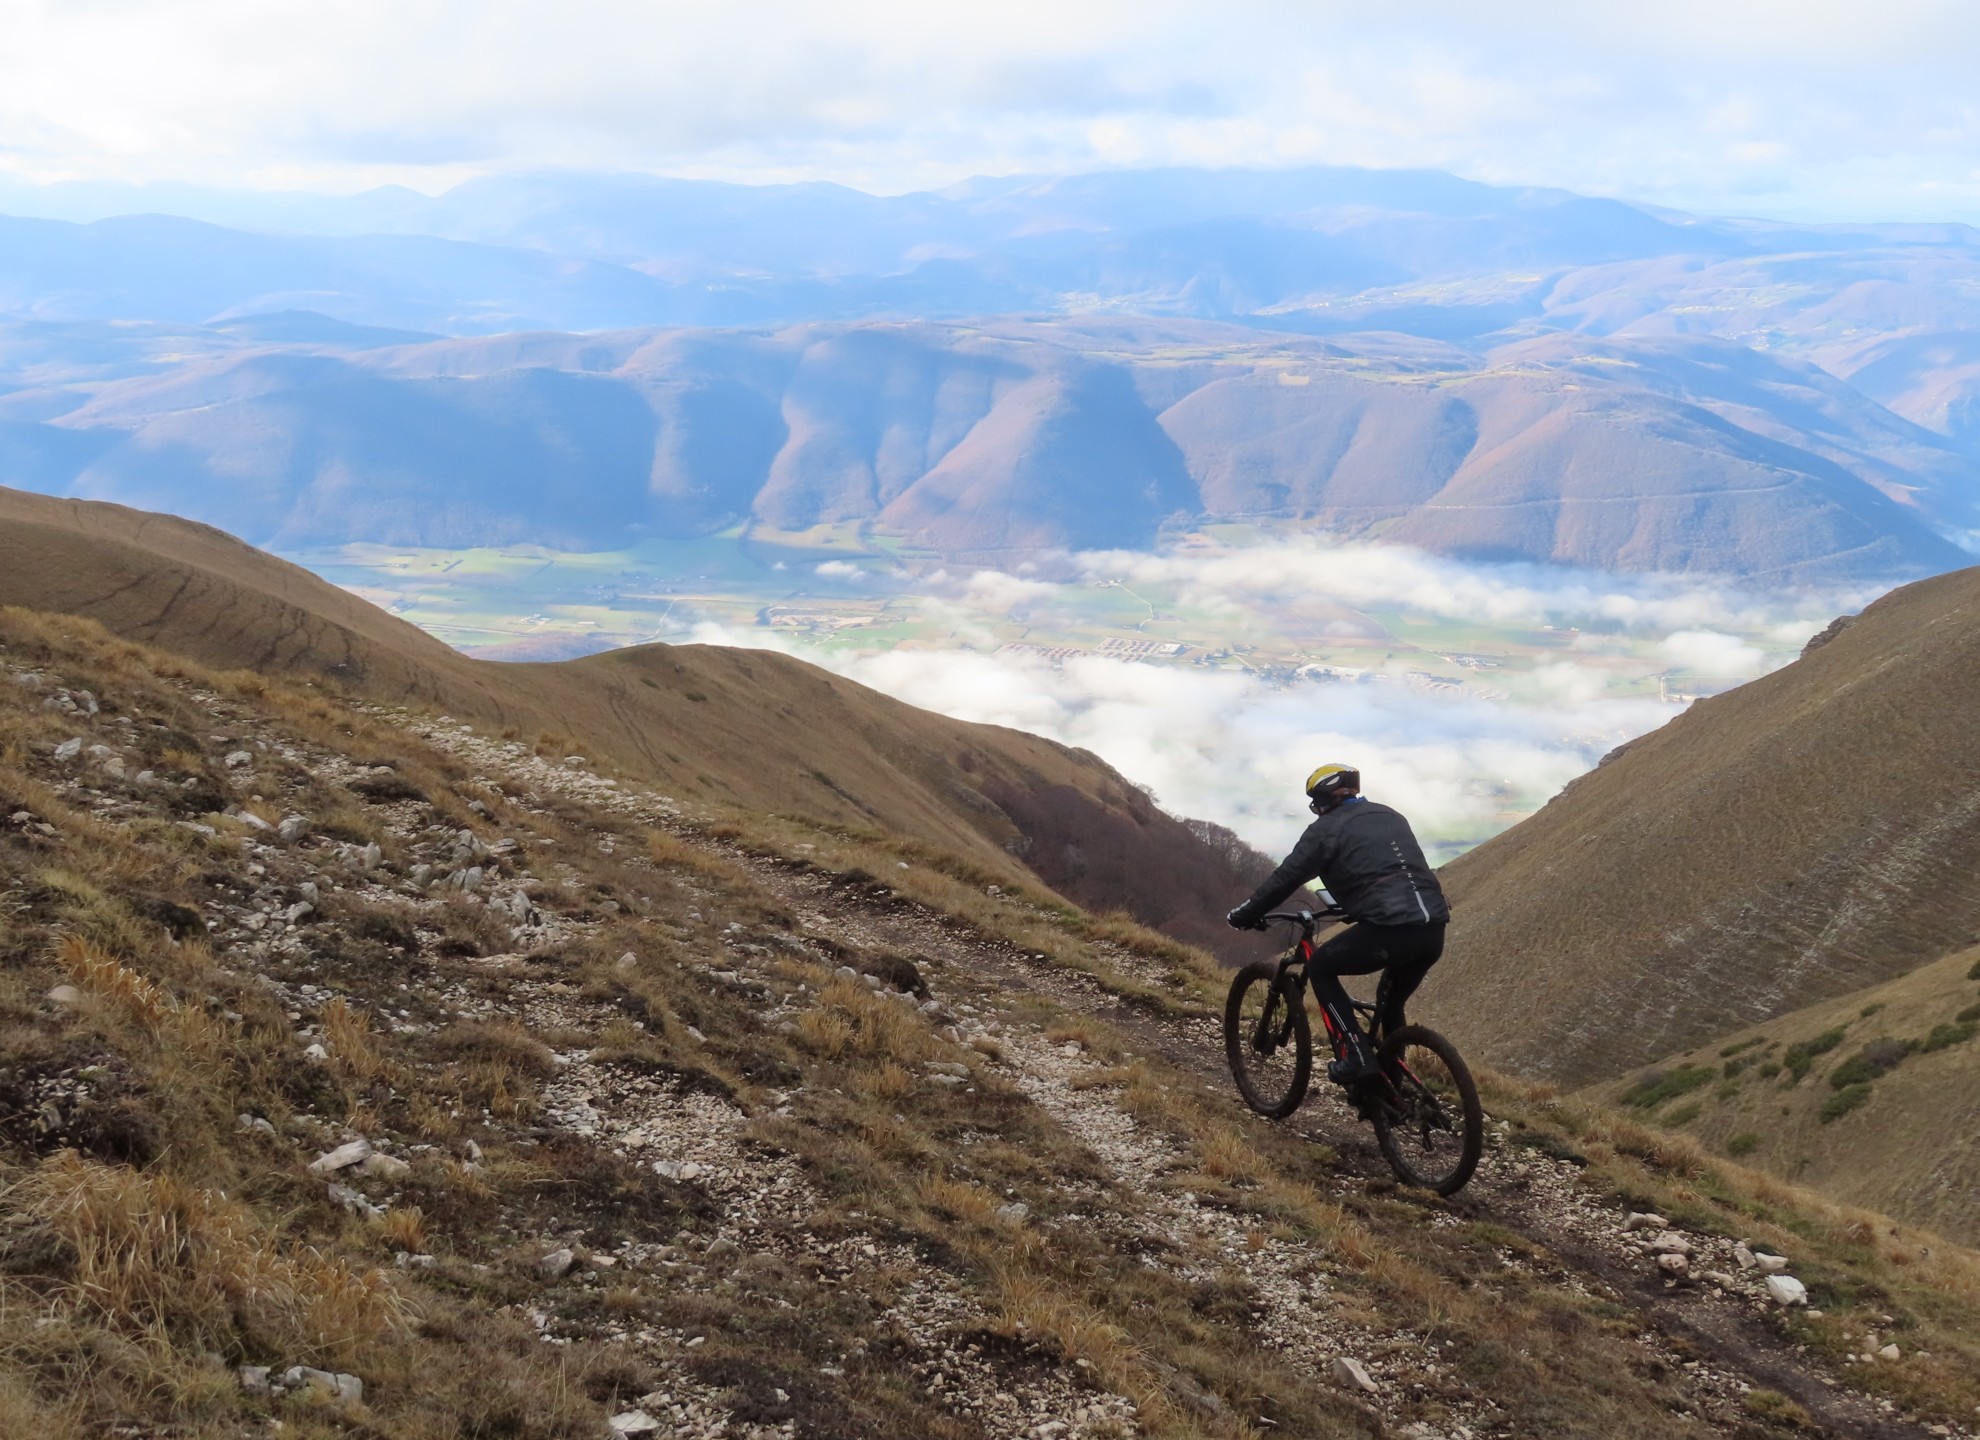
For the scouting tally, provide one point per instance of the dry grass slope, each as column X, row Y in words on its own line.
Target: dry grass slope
column 750, row 729
column 1873, row 1097
column 1788, row 842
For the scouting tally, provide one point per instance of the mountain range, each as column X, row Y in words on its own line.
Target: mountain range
column 1323, row 249
column 790, row 1056
column 1013, row 363
column 1665, row 453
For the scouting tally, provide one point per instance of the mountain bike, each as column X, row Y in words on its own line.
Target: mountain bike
column 1423, row 1102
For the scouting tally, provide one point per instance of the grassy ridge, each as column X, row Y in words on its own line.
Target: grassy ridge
column 1873, row 1097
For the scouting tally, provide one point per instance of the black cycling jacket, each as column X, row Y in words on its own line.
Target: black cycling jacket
column 1367, row 857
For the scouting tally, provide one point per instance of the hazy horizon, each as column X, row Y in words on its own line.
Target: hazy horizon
column 1756, row 109
column 85, row 199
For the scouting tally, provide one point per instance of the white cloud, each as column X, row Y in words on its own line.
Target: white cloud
column 997, row 593
column 1846, row 110
column 1232, row 746
column 1711, row 654
column 1306, row 572
column 1227, row 747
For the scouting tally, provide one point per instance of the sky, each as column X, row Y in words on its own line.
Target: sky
column 1819, row 109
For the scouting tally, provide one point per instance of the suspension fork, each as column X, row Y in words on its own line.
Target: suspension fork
column 1269, row 1034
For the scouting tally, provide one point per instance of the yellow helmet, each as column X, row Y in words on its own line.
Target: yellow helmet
column 1330, row 779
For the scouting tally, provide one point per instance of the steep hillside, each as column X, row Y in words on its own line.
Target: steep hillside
column 748, row 728
column 1788, row 401
column 1873, row 1097
column 365, row 1074
column 1794, row 840
column 1020, row 436
column 1930, row 377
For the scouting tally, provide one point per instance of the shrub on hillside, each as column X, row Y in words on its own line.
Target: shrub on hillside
column 1799, row 1057
column 1657, row 1086
column 1974, row 973
column 1945, row 1036
column 1844, row 1101
column 1774, row 1406
column 1879, row 1057
column 1744, row 1143
column 1971, row 1012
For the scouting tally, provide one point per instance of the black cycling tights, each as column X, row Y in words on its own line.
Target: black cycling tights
column 1404, row 955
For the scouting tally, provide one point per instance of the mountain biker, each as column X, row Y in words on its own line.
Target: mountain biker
column 1367, row 858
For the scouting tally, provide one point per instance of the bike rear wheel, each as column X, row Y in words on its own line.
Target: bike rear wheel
column 1268, row 1040
column 1429, row 1123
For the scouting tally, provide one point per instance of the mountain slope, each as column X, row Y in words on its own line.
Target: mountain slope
column 745, row 728
column 1790, row 841
column 507, row 1101
column 1930, row 377
column 1014, row 436
column 1873, row 1097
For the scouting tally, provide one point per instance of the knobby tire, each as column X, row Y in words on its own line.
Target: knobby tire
column 1454, row 1121
column 1273, row 1090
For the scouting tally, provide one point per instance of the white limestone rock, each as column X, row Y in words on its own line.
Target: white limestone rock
column 354, row 1152
column 1785, row 1290
column 1351, row 1374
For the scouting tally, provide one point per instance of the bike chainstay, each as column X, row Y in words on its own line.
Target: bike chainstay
column 1411, row 1103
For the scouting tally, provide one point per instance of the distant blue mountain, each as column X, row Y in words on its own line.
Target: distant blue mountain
column 586, row 358
column 1318, row 250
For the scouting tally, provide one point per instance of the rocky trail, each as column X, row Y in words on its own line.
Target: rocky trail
column 683, row 1184
column 1707, row 1327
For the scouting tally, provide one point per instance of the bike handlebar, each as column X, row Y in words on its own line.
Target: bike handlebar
column 1306, row 918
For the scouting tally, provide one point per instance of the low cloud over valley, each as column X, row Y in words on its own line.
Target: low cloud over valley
column 1572, row 665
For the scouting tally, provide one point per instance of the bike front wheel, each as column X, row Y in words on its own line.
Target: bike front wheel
column 1429, row 1123
column 1268, row 1040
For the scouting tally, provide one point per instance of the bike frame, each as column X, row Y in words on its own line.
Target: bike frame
column 1417, row 1124
column 1295, row 994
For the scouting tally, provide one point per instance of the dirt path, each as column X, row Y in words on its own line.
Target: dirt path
column 1716, row 1343
column 1710, row 1345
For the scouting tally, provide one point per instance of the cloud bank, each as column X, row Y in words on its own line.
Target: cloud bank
column 1607, row 658
column 1755, row 106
